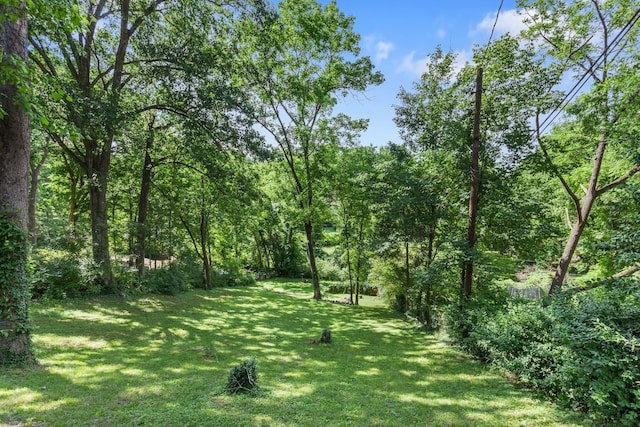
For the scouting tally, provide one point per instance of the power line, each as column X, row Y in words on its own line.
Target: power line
column 495, row 22
column 587, row 74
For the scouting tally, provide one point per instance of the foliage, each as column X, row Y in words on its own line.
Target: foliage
column 165, row 281
column 15, row 332
column 232, row 277
column 243, row 377
column 59, row 274
column 344, row 288
column 328, row 270
column 297, row 60
column 583, row 351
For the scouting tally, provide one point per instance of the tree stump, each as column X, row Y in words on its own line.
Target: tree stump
column 325, row 338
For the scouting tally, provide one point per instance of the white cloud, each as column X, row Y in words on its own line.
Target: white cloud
column 442, row 33
column 382, row 50
column 413, row 66
column 509, row 21
column 369, row 41
column 417, row 67
column 463, row 57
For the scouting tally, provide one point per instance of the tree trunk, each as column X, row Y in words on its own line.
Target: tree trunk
column 308, row 228
column 467, row 275
column 204, row 237
column 143, row 200
column 359, row 257
column 15, row 340
column 407, row 273
column 576, row 231
column 256, row 240
column 33, row 197
column 347, row 244
column 99, row 228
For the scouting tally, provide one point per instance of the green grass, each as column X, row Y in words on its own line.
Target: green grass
column 164, row 361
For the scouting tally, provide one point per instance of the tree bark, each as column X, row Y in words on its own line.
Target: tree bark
column 33, row 197
column 143, row 200
column 99, row 224
column 348, row 248
column 308, row 229
column 359, row 257
column 15, row 340
column 581, row 222
column 407, row 274
column 627, row 271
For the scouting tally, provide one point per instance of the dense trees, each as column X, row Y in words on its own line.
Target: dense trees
column 161, row 112
column 203, row 135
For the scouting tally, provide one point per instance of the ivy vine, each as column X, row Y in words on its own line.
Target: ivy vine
column 15, row 333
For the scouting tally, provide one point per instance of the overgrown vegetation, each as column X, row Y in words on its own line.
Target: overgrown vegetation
column 15, row 331
column 581, row 350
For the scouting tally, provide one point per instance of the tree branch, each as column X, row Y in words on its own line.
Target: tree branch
column 574, row 197
column 627, row 271
column 618, row 181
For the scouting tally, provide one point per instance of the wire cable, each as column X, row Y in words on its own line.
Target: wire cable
column 587, row 74
column 495, row 22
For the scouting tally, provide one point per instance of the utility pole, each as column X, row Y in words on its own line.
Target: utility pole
column 467, row 272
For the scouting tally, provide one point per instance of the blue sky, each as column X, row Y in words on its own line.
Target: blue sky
column 399, row 34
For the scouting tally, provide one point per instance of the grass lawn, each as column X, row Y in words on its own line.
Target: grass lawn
column 164, row 361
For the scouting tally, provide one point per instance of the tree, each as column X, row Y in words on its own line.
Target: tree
column 37, row 160
column 90, row 68
column 296, row 63
column 439, row 115
column 352, row 193
column 604, row 117
column 15, row 341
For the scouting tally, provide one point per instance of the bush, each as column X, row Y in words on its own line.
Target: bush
column 343, row 288
column 242, row 378
column 165, row 281
column 232, row 278
column 600, row 368
column 582, row 350
column 59, row 274
column 127, row 280
column 328, row 270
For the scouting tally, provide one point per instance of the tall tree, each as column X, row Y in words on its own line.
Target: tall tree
column 15, row 342
column 597, row 41
column 296, row 62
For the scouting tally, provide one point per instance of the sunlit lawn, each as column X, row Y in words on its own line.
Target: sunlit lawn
column 164, row 361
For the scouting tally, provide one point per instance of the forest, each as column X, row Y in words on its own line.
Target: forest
column 162, row 146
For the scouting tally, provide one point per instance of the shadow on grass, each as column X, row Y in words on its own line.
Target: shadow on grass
column 164, row 361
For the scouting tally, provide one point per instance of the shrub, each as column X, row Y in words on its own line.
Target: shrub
column 600, row 369
column 343, row 288
column 582, row 350
column 243, row 377
column 127, row 280
column 327, row 270
column 191, row 269
column 165, row 281
column 231, row 278
column 58, row 274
